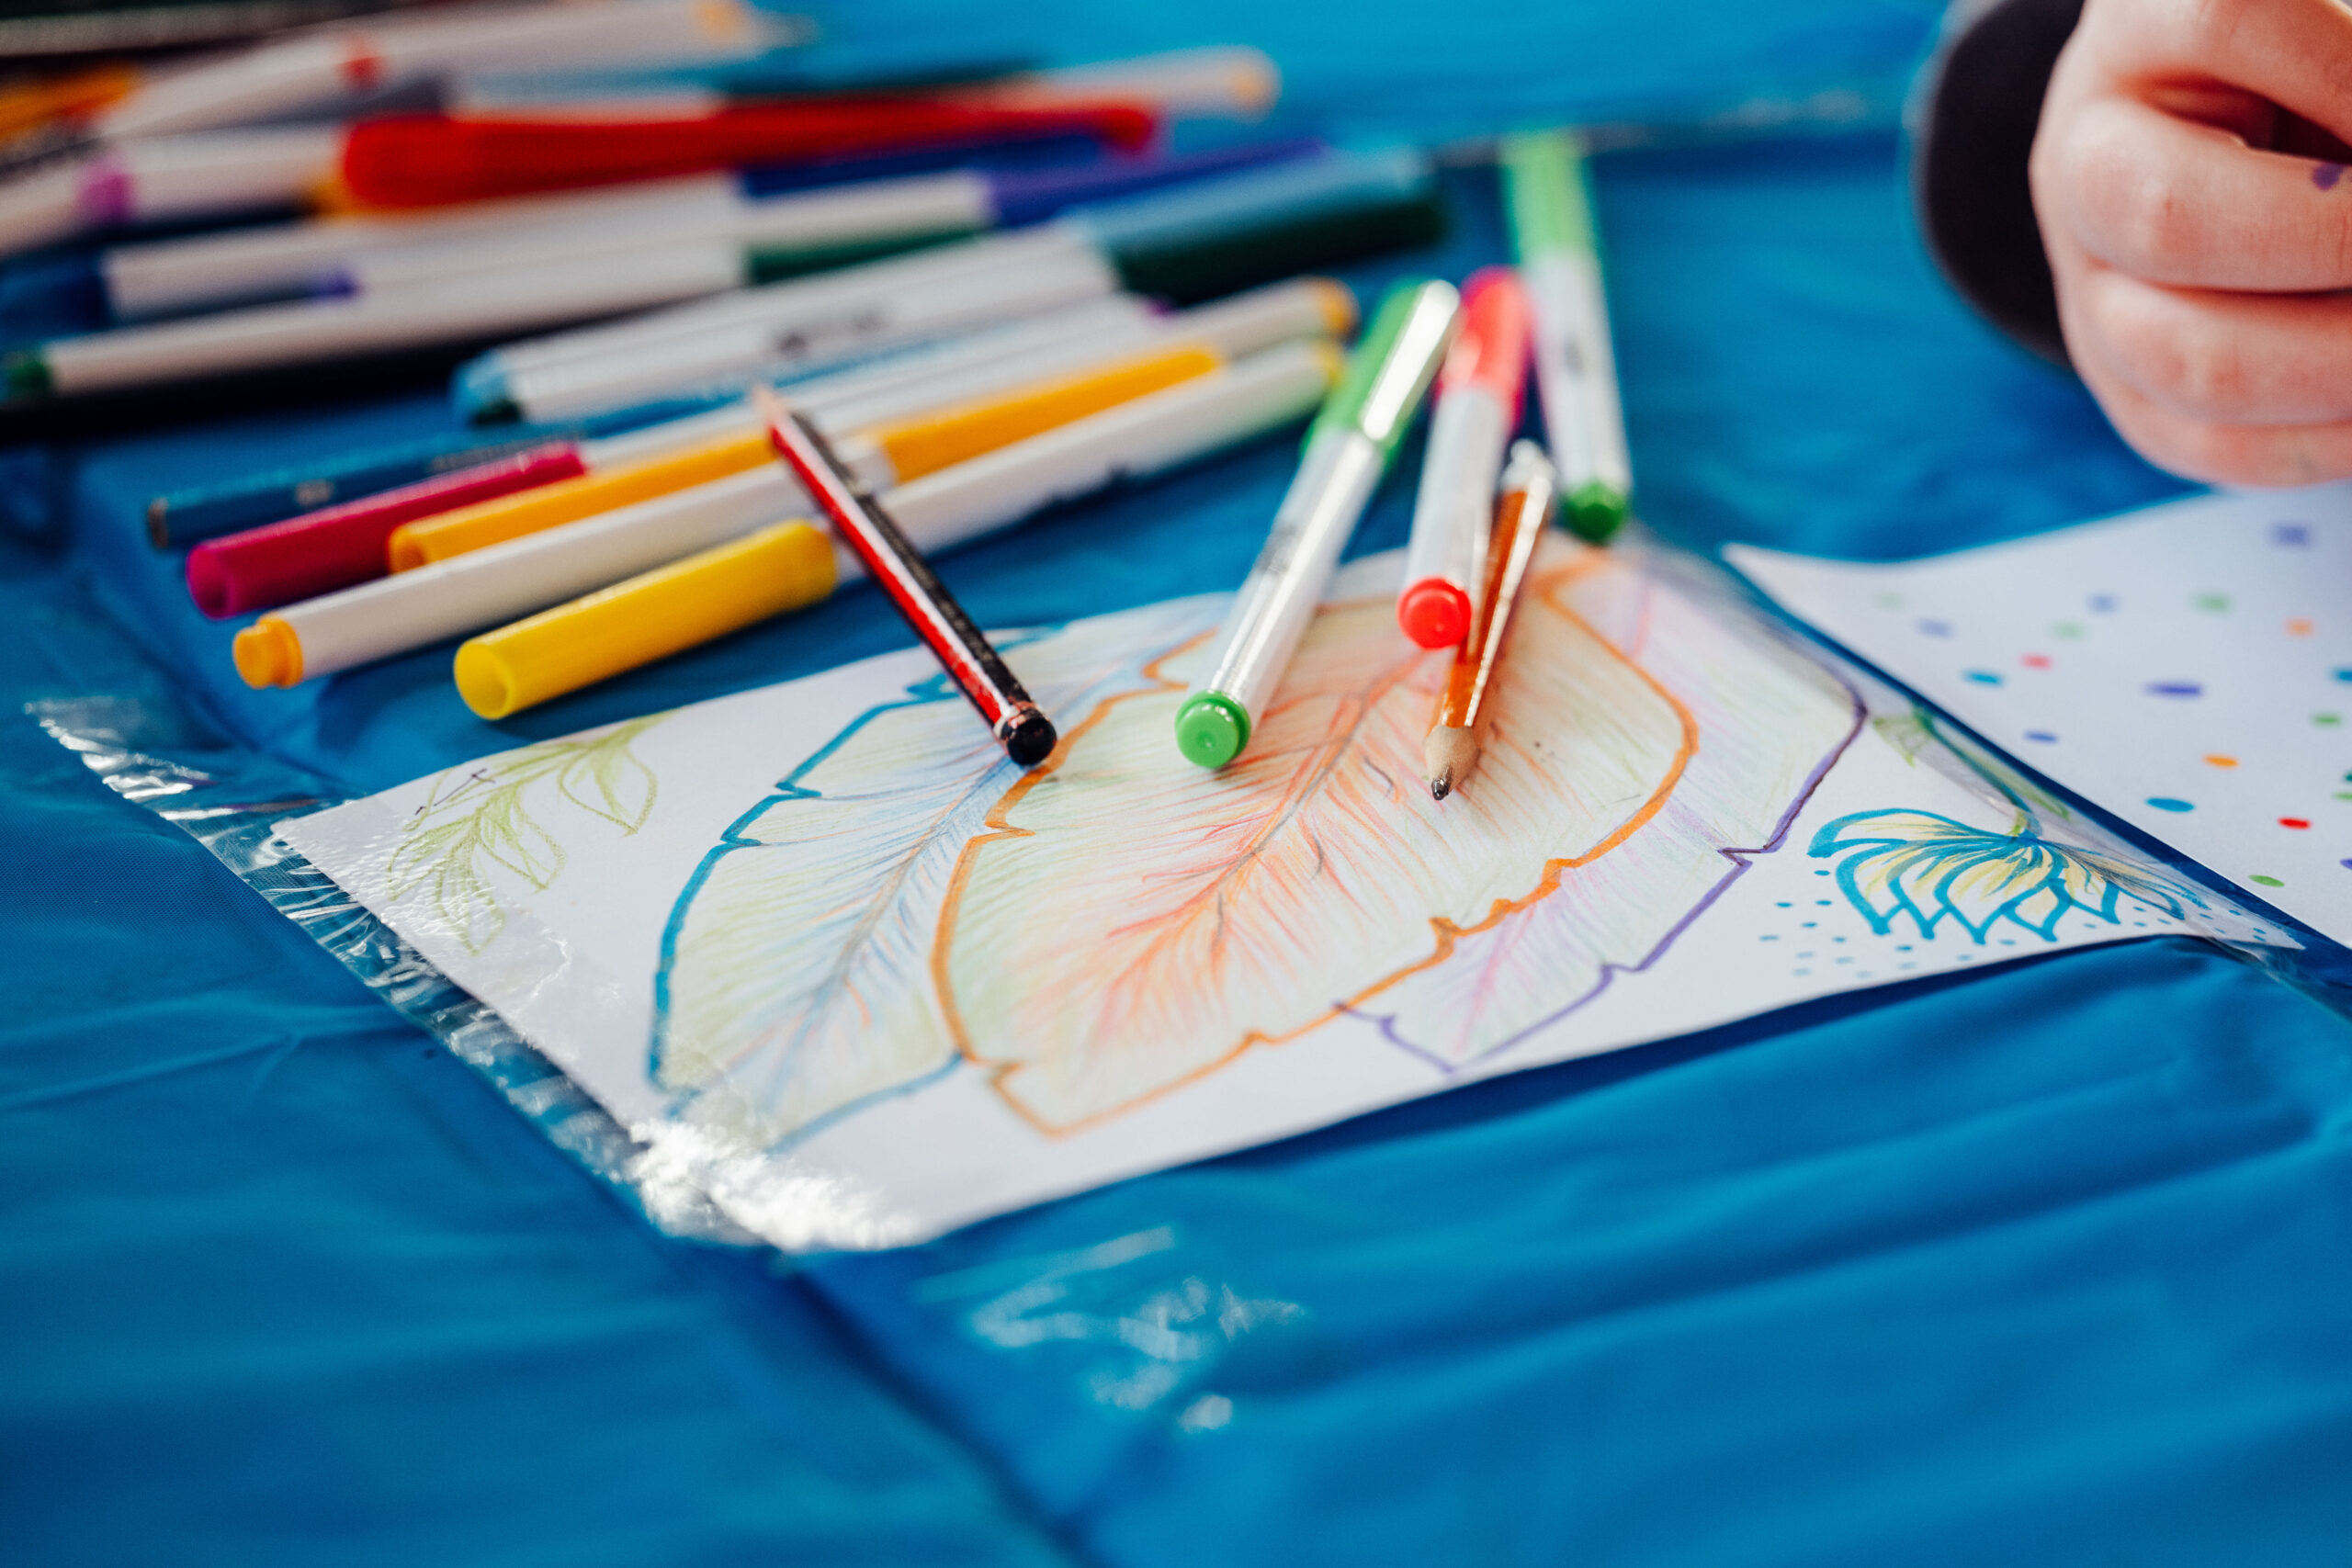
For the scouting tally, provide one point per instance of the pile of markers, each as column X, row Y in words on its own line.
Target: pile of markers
column 718, row 354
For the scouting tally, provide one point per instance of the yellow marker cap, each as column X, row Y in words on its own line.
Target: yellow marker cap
column 924, row 445
column 649, row 616
column 1338, row 305
column 447, row 534
column 268, row 654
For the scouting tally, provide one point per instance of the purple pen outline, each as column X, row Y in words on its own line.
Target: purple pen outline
column 1741, row 858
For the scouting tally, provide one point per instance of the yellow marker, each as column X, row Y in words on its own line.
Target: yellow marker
column 914, row 447
column 649, row 616
column 485, row 523
column 881, row 456
column 38, row 105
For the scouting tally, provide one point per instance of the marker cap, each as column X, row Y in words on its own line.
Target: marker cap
column 268, row 654
column 1395, row 362
column 1211, row 728
column 1595, row 510
column 1434, row 613
column 1497, row 328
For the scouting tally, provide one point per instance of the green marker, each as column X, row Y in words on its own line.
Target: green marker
column 1550, row 200
column 1347, row 451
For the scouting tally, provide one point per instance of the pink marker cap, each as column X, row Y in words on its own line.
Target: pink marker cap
column 1496, row 331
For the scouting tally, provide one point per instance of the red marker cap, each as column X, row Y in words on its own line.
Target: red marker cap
column 1496, row 331
column 1434, row 613
column 422, row 159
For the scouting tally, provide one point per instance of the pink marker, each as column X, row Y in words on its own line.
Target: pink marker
column 1478, row 393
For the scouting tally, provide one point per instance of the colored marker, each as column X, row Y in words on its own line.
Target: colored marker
column 918, row 425
column 410, row 610
column 1530, row 490
column 850, row 315
column 1347, row 451
column 892, row 432
column 1218, row 83
column 424, row 160
column 274, row 495
column 338, row 546
column 1476, row 408
column 163, row 179
column 1549, row 195
column 1192, row 244
column 768, row 232
column 319, row 67
column 877, row 458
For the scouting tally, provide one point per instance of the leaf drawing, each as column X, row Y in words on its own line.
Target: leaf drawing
column 1766, row 724
column 478, row 820
column 794, row 982
column 1318, row 875
column 1130, row 923
column 1926, row 868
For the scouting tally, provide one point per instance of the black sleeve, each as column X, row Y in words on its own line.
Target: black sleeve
column 1971, row 125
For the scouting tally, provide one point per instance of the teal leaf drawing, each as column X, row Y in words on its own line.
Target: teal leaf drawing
column 1930, row 870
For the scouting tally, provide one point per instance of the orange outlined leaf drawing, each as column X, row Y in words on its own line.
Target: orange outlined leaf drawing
column 1133, row 922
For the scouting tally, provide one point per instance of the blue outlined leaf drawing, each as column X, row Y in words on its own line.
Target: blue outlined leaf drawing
column 795, row 976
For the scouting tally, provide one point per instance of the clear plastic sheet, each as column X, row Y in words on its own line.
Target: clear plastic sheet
column 155, row 753
column 229, row 800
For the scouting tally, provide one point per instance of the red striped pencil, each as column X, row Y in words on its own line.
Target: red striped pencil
column 1026, row 733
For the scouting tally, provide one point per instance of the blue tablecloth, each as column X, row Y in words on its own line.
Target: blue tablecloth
column 2050, row 1263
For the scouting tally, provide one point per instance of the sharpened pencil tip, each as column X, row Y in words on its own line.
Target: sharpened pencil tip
column 1447, row 757
column 1441, row 786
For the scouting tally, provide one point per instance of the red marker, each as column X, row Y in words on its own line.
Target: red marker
column 1026, row 733
column 336, row 547
column 1478, row 393
column 424, row 160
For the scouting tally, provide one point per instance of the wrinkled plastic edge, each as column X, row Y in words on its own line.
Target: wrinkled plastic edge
column 231, row 806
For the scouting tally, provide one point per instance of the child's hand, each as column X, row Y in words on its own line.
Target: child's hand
column 2193, row 194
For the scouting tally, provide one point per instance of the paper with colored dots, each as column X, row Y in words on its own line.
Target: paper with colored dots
column 2188, row 668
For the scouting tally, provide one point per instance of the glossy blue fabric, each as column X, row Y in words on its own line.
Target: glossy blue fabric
column 2045, row 1264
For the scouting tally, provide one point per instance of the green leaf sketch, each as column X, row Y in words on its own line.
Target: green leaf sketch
column 478, row 820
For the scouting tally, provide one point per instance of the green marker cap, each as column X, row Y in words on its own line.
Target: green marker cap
column 1393, row 364
column 1548, row 194
column 25, row 374
column 1211, row 728
column 1596, row 510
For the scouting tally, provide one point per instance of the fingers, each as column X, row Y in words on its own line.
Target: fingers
column 2296, row 53
column 2178, row 202
column 2250, row 359
column 2223, row 450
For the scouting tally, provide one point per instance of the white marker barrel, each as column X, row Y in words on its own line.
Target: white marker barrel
column 489, row 587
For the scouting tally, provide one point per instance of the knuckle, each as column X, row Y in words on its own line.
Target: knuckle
column 2175, row 356
column 2131, row 210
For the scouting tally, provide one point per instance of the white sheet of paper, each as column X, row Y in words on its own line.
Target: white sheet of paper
column 2188, row 666
column 828, row 953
